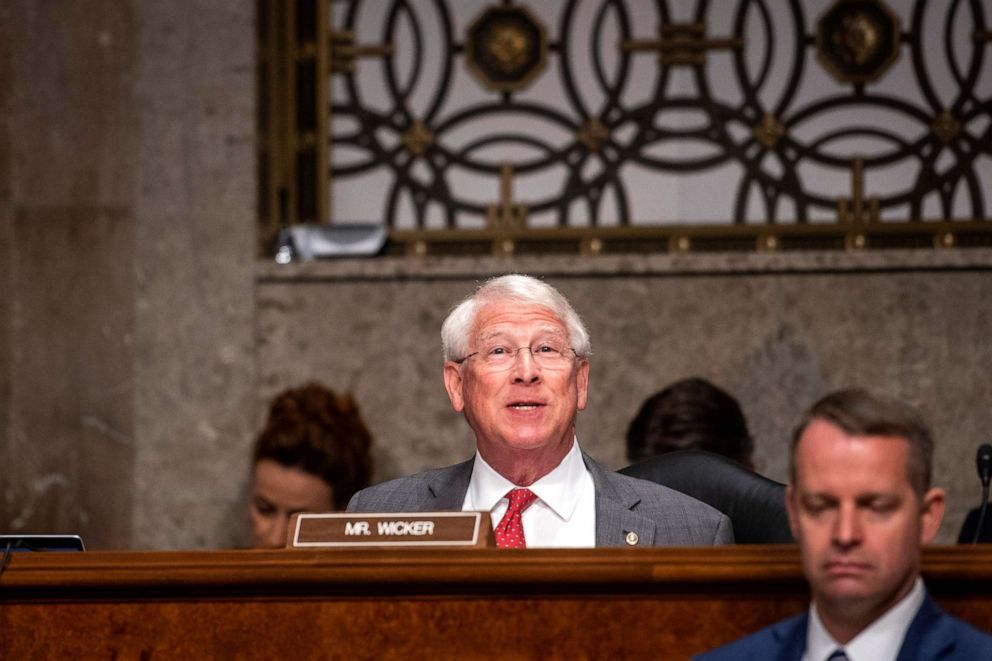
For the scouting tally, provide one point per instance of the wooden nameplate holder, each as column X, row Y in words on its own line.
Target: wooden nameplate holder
column 339, row 530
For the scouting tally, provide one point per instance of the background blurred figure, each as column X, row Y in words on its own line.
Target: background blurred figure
column 312, row 456
column 691, row 414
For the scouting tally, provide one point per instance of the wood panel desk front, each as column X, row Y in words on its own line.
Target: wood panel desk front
column 602, row 603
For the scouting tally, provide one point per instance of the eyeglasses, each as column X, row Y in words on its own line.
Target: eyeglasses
column 547, row 355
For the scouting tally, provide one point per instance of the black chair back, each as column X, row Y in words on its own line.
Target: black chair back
column 967, row 535
column 754, row 504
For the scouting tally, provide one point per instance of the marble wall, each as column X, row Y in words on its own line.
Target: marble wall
column 6, row 129
column 194, row 269
column 66, row 266
column 127, row 217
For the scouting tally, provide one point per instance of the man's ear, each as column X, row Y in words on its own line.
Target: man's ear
column 453, row 384
column 582, row 384
column 931, row 514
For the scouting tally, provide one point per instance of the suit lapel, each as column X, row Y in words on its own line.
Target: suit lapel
column 615, row 502
column 446, row 488
column 930, row 634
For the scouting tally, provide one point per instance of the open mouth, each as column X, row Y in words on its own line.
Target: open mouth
column 525, row 406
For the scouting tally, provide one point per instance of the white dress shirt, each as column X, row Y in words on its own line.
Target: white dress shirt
column 564, row 514
column 879, row 642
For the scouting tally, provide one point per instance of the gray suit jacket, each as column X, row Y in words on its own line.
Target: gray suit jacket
column 660, row 516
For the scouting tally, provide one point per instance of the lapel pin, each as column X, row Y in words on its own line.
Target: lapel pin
column 632, row 538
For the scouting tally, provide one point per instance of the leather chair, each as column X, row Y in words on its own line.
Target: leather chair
column 967, row 535
column 754, row 504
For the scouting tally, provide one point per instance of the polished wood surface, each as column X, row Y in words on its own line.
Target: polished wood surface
column 603, row 603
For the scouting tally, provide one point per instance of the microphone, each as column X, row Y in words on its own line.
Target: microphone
column 983, row 461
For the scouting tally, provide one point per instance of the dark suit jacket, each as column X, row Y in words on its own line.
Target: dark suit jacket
column 660, row 516
column 932, row 635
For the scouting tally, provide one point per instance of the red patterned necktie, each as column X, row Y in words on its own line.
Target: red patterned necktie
column 510, row 531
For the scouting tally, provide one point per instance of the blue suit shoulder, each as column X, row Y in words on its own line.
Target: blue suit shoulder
column 972, row 643
column 783, row 640
column 934, row 634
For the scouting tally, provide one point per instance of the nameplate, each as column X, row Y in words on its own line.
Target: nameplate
column 390, row 530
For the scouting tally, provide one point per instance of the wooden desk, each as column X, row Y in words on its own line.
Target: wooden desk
column 603, row 603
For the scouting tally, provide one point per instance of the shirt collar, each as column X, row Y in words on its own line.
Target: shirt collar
column 559, row 489
column 486, row 486
column 880, row 640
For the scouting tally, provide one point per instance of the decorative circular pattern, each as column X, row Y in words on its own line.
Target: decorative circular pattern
column 506, row 48
column 857, row 40
column 613, row 92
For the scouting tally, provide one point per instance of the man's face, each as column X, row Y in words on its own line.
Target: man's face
column 278, row 492
column 527, row 407
column 858, row 520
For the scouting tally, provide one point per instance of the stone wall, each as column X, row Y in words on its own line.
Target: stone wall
column 194, row 269
column 127, row 191
column 66, row 284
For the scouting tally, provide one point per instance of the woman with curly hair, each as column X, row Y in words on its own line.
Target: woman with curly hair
column 311, row 456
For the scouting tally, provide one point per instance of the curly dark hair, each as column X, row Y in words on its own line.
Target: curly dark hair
column 691, row 414
column 322, row 433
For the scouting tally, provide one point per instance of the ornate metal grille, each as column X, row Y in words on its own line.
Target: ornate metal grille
column 508, row 127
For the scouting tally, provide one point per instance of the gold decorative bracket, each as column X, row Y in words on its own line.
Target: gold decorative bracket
column 591, row 134
column 590, row 246
column 417, row 139
column 506, row 47
column 944, row 240
column 855, row 209
column 945, row 127
column 766, row 243
column 344, row 51
column 678, row 243
column 682, row 44
column 768, row 131
column 506, row 215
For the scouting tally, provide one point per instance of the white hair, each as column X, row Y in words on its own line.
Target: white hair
column 522, row 289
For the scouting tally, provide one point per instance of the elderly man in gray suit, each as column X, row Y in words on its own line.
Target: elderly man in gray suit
column 516, row 364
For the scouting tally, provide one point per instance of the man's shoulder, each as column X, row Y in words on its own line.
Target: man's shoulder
column 678, row 519
column 785, row 639
column 415, row 493
column 972, row 643
column 657, row 497
column 395, row 495
column 934, row 631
